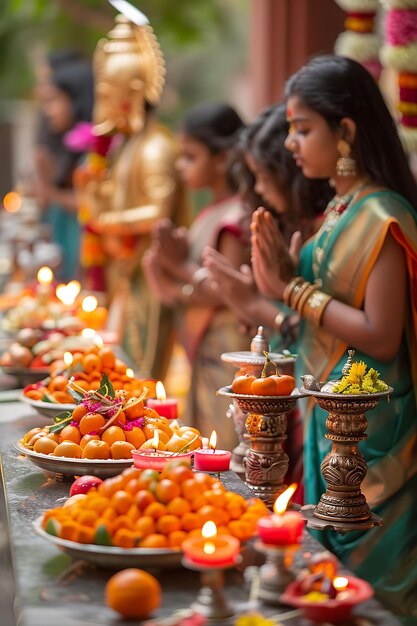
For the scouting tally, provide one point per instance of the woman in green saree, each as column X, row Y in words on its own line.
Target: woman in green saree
column 356, row 287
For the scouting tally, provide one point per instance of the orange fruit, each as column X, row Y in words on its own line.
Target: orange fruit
column 91, row 362
column 58, row 383
column 121, row 450
column 133, row 593
column 155, row 510
column 135, row 436
column 134, row 411
column 167, row 524
column 145, row 525
column 167, row 490
column 70, row 433
column 88, row 438
column 107, row 357
column 176, row 538
column 96, row 450
column 243, row 384
column 112, row 434
column 144, row 497
column 79, row 412
column 178, row 506
column 91, row 422
column 191, row 489
column 155, row 540
column 62, row 397
column 190, row 521
column 45, row 445
column 179, row 473
column 69, row 449
column 120, row 367
column 121, row 501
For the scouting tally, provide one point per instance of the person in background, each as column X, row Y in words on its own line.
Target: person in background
column 66, row 98
column 173, row 265
column 268, row 176
column 355, row 286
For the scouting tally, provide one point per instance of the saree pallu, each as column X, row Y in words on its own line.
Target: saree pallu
column 385, row 556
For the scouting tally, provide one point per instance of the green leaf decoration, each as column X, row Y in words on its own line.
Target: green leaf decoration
column 46, row 397
column 56, row 428
column 62, row 416
column 53, row 527
column 106, row 388
column 102, row 537
column 76, row 395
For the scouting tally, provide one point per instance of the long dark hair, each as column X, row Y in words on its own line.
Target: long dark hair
column 338, row 87
column 216, row 125
column 306, row 199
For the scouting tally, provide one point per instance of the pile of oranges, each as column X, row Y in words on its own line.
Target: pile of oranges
column 87, row 370
column 88, row 435
column 142, row 508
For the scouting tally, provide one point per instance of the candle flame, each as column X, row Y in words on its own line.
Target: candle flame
column 213, row 440
column 155, row 442
column 45, row 275
column 160, row 391
column 209, row 547
column 89, row 304
column 74, row 287
column 130, row 373
column 68, row 358
column 281, row 503
column 209, row 530
column 340, row 583
column 12, row 202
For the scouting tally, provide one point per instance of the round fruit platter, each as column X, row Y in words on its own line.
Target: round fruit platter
column 47, row 409
column 113, row 557
column 103, row 468
column 25, row 375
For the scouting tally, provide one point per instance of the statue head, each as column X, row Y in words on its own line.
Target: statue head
column 129, row 76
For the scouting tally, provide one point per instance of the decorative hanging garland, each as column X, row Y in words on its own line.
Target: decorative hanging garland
column 359, row 41
column 400, row 53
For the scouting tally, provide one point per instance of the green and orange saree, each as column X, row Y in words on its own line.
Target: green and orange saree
column 385, row 556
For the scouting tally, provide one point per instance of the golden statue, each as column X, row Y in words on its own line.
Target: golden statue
column 126, row 193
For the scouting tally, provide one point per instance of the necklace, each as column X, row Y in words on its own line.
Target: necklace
column 336, row 208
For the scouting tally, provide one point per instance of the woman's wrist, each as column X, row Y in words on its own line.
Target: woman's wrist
column 306, row 298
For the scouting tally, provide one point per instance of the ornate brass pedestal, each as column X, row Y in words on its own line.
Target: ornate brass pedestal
column 252, row 362
column 266, row 463
column 211, row 602
column 276, row 574
column 343, row 507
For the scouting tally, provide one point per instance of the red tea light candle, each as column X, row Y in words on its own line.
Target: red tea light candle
column 283, row 528
column 166, row 407
column 211, row 550
column 210, row 459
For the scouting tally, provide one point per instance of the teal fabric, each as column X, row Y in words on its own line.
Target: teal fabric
column 66, row 233
column 386, row 556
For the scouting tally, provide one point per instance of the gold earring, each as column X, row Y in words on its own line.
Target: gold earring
column 346, row 165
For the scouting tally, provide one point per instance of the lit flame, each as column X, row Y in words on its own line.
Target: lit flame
column 281, row 503
column 88, row 333
column 208, row 531
column 160, row 391
column 45, row 275
column 12, row 202
column 68, row 358
column 340, row 583
column 130, row 373
column 155, row 442
column 89, row 304
column 213, row 440
column 66, row 294
column 74, row 287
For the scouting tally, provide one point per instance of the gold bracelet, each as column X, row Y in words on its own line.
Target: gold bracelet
column 314, row 307
column 279, row 319
column 288, row 291
column 298, row 293
column 304, row 297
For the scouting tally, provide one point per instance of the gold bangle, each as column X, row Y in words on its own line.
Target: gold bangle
column 298, row 293
column 305, row 296
column 290, row 288
column 314, row 307
column 279, row 319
